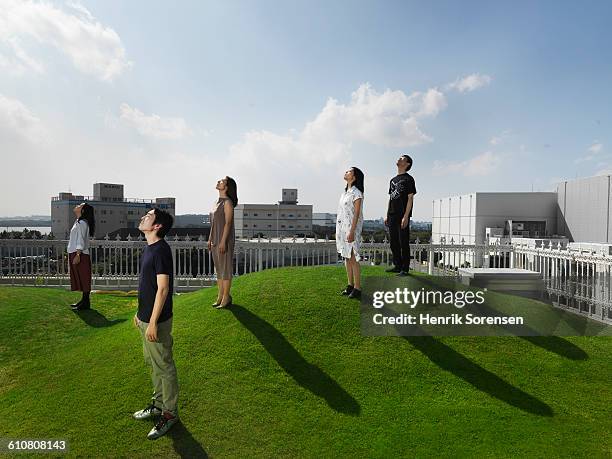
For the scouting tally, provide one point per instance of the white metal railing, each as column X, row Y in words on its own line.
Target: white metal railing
column 115, row 262
column 584, row 279
column 577, row 281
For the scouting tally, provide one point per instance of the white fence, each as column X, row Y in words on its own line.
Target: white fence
column 578, row 281
column 116, row 263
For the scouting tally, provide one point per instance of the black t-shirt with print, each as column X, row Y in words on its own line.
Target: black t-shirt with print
column 400, row 187
column 156, row 259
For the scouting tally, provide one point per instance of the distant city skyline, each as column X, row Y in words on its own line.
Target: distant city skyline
column 166, row 98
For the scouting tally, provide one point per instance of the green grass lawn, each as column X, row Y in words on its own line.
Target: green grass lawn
column 287, row 373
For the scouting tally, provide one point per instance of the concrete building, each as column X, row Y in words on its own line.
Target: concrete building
column 467, row 217
column 477, row 218
column 112, row 210
column 192, row 220
column 286, row 218
column 585, row 209
column 576, row 216
column 580, row 210
column 324, row 219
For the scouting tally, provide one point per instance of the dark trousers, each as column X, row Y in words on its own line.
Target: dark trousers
column 400, row 242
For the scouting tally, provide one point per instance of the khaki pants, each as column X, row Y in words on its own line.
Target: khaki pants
column 159, row 356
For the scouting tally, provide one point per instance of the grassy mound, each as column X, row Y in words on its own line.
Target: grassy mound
column 286, row 372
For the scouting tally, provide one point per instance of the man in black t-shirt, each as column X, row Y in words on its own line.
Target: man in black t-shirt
column 154, row 320
column 401, row 197
column 156, row 259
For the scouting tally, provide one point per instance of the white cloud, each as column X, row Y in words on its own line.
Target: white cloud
column 81, row 10
column 433, row 102
column 93, row 48
column 388, row 119
column 496, row 140
column 596, row 147
column 154, row 125
column 480, row 165
column 593, row 150
column 470, row 82
column 16, row 61
column 18, row 122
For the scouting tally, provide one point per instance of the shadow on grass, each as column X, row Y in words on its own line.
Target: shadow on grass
column 184, row 444
column 452, row 361
column 94, row 319
column 556, row 344
column 482, row 379
column 304, row 373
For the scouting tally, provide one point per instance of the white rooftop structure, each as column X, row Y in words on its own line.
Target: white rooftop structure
column 585, row 209
column 467, row 217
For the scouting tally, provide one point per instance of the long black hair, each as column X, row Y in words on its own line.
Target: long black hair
column 358, row 183
column 87, row 214
column 232, row 190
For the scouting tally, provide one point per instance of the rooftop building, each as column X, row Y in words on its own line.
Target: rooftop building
column 585, row 209
column 286, row 218
column 112, row 210
column 473, row 217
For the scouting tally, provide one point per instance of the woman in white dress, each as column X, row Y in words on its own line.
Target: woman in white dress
column 348, row 229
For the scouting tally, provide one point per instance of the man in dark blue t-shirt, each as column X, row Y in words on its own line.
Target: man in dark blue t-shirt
column 154, row 320
column 156, row 259
column 399, row 211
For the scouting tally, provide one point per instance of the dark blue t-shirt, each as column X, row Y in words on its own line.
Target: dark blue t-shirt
column 156, row 259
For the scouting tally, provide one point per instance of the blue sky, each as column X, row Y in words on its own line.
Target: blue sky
column 166, row 97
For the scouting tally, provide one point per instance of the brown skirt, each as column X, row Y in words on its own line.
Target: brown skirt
column 80, row 275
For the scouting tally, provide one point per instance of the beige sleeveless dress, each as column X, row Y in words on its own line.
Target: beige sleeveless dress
column 224, row 262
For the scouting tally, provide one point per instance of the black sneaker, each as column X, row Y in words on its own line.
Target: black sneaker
column 347, row 290
column 163, row 426
column 395, row 269
column 402, row 274
column 76, row 305
column 356, row 293
column 83, row 305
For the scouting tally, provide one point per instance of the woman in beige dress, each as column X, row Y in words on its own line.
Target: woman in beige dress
column 222, row 239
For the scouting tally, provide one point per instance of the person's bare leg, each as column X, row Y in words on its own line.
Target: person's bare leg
column 355, row 271
column 219, row 291
column 227, row 283
column 349, row 271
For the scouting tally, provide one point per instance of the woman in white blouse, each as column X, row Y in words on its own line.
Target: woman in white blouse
column 78, row 253
column 348, row 229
